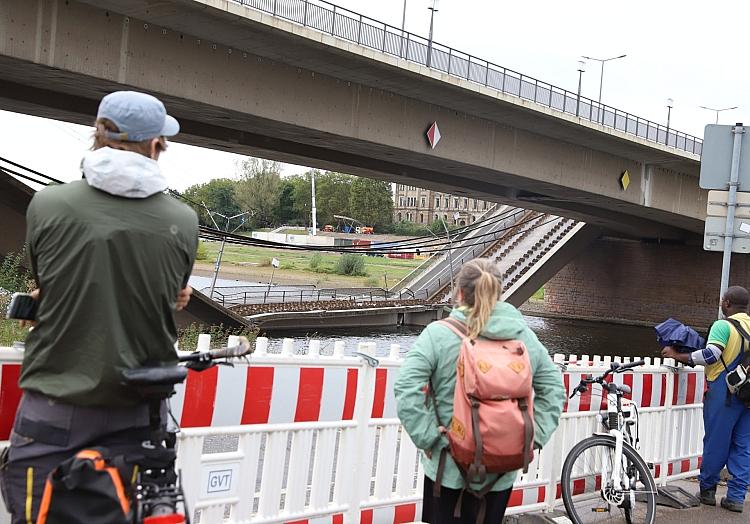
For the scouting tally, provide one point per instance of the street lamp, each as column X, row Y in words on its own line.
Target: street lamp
column 456, row 216
column 403, row 27
column 223, row 240
column 581, row 69
column 433, row 8
column 719, row 110
column 314, row 209
column 670, row 104
column 601, row 78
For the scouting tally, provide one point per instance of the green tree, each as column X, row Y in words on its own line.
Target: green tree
column 332, row 192
column 218, row 195
column 301, row 196
column 259, row 189
column 371, row 202
column 13, row 275
column 286, row 213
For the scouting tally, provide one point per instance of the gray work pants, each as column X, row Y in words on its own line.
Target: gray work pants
column 46, row 432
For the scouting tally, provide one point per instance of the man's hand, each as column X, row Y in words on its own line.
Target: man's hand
column 183, row 297
column 669, row 352
column 30, row 323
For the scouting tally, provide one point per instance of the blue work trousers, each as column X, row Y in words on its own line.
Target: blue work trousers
column 726, row 441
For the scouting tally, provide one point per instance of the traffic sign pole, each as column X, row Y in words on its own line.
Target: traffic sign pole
column 737, row 131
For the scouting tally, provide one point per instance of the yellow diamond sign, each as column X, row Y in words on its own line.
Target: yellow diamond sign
column 625, row 180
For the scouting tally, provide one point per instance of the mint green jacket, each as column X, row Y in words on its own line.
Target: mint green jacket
column 433, row 357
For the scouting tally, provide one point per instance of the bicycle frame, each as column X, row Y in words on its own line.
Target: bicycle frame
column 618, row 425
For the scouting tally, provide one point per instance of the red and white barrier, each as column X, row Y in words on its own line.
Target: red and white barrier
column 332, row 419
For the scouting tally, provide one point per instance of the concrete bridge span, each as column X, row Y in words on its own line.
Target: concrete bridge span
column 243, row 81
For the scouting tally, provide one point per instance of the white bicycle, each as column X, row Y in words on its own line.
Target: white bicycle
column 604, row 478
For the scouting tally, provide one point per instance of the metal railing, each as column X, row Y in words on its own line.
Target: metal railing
column 355, row 27
column 300, row 296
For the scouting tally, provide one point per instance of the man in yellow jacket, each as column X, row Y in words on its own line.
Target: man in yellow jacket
column 726, row 420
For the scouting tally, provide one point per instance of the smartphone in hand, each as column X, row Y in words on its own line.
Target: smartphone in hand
column 22, row 307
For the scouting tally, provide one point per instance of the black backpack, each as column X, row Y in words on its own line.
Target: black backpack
column 738, row 378
column 85, row 489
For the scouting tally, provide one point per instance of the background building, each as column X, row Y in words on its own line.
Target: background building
column 423, row 206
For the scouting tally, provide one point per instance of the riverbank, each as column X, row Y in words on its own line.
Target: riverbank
column 299, row 267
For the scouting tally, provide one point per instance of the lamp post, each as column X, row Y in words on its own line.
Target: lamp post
column 717, row 111
column 433, row 9
column 601, row 80
column 403, row 27
column 670, row 104
column 581, row 69
column 223, row 240
column 450, row 250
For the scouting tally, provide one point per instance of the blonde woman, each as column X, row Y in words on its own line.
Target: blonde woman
column 432, row 360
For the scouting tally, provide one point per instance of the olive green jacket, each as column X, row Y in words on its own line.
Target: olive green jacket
column 433, row 358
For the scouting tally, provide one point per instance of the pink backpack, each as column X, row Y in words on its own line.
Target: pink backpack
column 492, row 428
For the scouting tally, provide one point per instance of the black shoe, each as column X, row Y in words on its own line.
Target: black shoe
column 708, row 496
column 732, row 505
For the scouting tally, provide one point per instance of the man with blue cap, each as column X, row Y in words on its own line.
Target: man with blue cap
column 111, row 255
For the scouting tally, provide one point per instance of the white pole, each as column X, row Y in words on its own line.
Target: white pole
column 734, row 177
column 403, row 27
column 314, row 209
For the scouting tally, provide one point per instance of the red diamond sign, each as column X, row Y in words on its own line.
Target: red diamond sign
column 433, row 135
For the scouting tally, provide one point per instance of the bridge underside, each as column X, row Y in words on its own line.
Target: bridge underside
column 226, row 98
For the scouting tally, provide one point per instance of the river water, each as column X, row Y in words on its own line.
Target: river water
column 570, row 337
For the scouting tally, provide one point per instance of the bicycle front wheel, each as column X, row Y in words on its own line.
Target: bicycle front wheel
column 592, row 495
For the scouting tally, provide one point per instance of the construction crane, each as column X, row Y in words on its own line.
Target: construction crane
column 352, row 225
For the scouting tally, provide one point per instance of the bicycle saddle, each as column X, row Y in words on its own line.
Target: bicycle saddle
column 154, row 376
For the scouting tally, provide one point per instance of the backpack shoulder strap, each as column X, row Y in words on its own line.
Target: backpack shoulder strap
column 458, row 327
column 739, row 327
column 744, row 337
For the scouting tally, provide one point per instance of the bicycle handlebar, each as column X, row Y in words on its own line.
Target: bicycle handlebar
column 240, row 350
column 615, row 367
column 631, row 365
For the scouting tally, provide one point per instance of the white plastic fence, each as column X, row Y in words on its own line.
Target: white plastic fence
column 366, row 469
column 291, row 437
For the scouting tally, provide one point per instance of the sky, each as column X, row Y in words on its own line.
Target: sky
column 691, row 51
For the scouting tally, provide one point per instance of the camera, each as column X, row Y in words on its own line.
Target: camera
column 22, row 307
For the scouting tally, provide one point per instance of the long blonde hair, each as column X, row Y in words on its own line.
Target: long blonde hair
column 102, row 139
column 480, row 282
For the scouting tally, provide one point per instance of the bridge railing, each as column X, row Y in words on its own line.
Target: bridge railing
column 355, row 27
column 300, row 296
column 286, row 437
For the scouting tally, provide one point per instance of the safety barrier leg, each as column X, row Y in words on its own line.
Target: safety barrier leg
column 354, row 471
column 553, row 456
column 670, row 429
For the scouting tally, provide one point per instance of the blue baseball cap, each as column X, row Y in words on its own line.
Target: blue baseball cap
column 138, row 116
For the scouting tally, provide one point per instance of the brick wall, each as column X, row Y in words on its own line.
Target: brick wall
column 630, row 280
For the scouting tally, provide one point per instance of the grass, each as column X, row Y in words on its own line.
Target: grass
column 188, row 336
column 11, row 332
column 538, row 294
column 252, row 263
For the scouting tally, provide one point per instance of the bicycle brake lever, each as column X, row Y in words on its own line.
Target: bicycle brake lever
column 580, row 388
column 372, row 361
